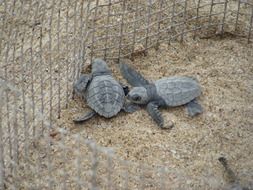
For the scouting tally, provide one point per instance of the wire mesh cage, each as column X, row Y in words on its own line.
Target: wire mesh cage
column 44, row 46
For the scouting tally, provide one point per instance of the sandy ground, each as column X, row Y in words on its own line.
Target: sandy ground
column 224, row 69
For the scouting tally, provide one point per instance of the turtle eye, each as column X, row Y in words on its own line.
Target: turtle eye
column 136, row 98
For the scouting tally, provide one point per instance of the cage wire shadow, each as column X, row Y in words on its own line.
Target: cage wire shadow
column 44, row 46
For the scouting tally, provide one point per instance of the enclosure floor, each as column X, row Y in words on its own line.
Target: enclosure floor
column 224, row 69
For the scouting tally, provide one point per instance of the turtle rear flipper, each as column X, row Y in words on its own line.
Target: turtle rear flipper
column 156, row 115
column 194, row 108
column 133, row 77
column 85, row 117
column 130, row 107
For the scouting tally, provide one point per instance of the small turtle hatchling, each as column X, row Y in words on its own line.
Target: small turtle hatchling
column 165, row 92
column 103, row 94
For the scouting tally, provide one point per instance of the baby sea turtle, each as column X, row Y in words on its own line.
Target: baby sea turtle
column 165, row 92
column 104, row 95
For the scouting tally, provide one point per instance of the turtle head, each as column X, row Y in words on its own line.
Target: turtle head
column 138, row 95
column 99, row 66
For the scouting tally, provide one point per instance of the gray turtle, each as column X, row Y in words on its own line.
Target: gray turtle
column 165, row 92
column 103, row 94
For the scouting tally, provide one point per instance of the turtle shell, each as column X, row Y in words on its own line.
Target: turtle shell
column 105, row 95
column 177, row 91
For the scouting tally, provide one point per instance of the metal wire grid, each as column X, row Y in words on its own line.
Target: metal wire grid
column 133, row 26
column 44, row 46
column 29, row 162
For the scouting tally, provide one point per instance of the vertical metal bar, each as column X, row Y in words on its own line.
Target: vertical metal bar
column 121, row 28
column 34, row 131
column 39, row 133
column 93, row 30
column 81, row 41
column 159, row 23
column 13, row 69
column 32, row 69
column 23, row 71
column 49, row 160
column 224, row 17
column 109, row 171
column 7, row 95
column 65, row 159
column 14, row 130
column 251, row 21
column 13, row 6
column 78, row 163
column 184, row 25
column 107, row 29
column 94, row 166
column 50, row 63
column 42, row 68
column 74, row 65
column 135, row 26
column 15, row 127
column 22, row 7
column 197, row 20
column 58, row 60
column 3, row 26
column 147, row 26
column 237, row 14
column 126, row 176
column 86, row 31
column 2, row 168
column 210, row 13
column 49, row 164
column 8, row 45
column 141, row 177
column 6, row 92
column 172, row 19
column 15, row 143
column 9, row 41
column 67, row 52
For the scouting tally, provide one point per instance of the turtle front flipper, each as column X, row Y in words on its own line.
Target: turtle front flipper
column 133, row 77
column 130, row 107
column 81, row 85
column 125, row 88
column 85, row 117
column 194, row 108
column 156, row 115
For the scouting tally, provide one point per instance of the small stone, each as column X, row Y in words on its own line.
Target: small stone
column 168, row 125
